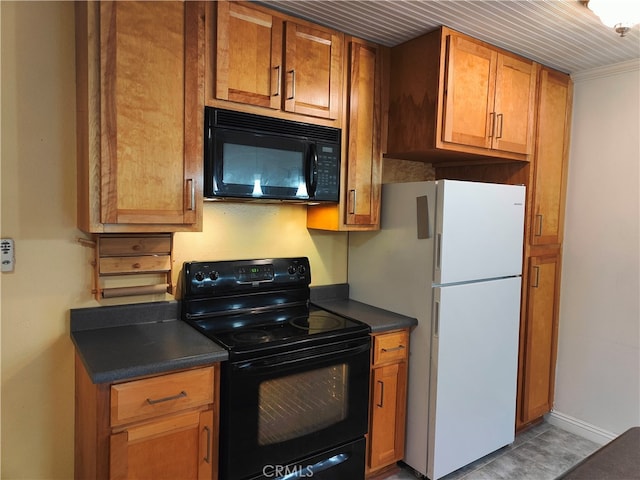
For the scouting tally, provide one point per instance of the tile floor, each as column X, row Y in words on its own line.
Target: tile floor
column 540, row 453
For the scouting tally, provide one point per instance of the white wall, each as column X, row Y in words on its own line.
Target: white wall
column 598, row 368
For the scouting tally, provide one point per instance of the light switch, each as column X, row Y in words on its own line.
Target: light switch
column 7, row 254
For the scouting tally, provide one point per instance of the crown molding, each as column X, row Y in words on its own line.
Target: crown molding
column 607, row 71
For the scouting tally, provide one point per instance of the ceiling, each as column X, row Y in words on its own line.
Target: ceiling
column 562, row 34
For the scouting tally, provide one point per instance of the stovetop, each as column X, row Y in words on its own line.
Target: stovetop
column 259, row 306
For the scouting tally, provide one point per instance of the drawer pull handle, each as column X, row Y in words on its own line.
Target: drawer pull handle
column 182, row 394
column 394, row 349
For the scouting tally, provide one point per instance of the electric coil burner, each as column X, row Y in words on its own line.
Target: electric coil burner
column 294, row 392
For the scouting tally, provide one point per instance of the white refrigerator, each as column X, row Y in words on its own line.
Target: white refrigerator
column 449, row 253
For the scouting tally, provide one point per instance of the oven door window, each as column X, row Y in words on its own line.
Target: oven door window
column 301, row 404
column 259, row 166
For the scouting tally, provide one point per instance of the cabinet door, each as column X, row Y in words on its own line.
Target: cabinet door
column 541, row 329
column 514, row 106
column 386, row 435
column 364, row 156
column 313, row 71
column 550, row 167
column 469, row 93
column 178, row 446
column 249, row 55
column 151, row 90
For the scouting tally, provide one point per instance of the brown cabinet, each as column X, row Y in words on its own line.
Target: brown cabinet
column 140, row 97
column 156, row 427
column 454, row 97
column 252, row 66
column 364, row 130
column 540, row 336
column 550, row 166
column 387, row 408
column 543, row 248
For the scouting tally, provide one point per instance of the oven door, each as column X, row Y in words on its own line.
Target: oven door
column 280, row 409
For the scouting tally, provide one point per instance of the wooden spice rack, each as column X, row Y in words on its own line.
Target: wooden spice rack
column 121, row 255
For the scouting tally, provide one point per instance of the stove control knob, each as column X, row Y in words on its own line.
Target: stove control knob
column 199, row 276
column 292, row 269
column 302, row 269
column 214, row 275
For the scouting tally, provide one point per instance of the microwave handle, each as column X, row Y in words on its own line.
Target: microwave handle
column 312, row 170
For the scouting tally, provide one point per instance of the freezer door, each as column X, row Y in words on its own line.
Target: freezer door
column 474, row 364
column 479, row 231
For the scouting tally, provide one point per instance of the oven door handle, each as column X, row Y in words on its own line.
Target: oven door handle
column 311, row 470
column 301, row 356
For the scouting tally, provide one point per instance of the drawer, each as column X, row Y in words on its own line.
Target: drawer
column 155, row 396
column 390, row 347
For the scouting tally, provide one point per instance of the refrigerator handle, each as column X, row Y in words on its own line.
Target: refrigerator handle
column 438, row 250
column 422, row 220
column 436, row 318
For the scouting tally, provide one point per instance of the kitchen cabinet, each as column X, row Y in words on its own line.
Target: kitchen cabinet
column 275, row 62
column 364, row 132
column 540, row 336
column 162, row 426
column 543, row 248
column 140, row 102
column 550, row 166
column 453, row 97
column 388, row 398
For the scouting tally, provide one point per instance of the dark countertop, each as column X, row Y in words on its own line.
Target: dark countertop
column 335, row 298
column 121, row 342
column 126, row 341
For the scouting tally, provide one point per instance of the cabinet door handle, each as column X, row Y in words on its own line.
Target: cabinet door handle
column 293, row 85
column 500, row 120
column 539, row 231
column 492, row 126
column 277, row 69
column 207, row 457
column 352, row 209
column 191, row 188
column 380, row 403
column 394, row 349
column 182, row 394
column 537, row 282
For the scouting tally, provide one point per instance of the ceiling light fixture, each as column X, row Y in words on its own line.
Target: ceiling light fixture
column 621, row 15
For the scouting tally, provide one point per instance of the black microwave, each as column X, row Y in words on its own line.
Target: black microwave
column 252, row 157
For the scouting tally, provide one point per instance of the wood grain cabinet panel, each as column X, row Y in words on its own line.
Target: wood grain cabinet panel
column 453, row 97
column 550, row 166
column 159, row 427
column 140, row 92
column 363, row 138
column 540, row 336
column 388, row 399
column 269, row 63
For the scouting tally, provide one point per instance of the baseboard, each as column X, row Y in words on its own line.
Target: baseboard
column 583, row 429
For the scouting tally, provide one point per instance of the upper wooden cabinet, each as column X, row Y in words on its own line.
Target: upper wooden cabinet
column 552, row 150
column 454, row 97
column 361, row 170
column 253, row 67
column 140, row 102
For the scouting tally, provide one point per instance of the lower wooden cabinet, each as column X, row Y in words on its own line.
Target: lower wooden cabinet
column 388, row 399
column 539, row 337
column 161, row 427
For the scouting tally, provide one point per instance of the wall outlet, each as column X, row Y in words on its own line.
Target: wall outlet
column 7, row 254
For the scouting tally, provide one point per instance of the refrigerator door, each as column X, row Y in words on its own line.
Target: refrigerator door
column 474, row 364
column 479, row 231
